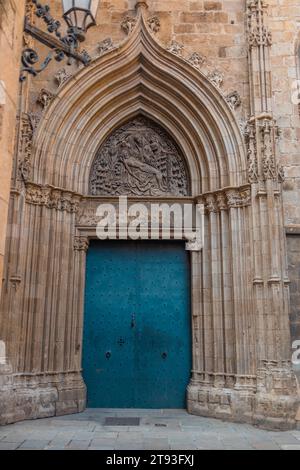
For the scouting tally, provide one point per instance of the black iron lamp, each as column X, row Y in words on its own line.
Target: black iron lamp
column 79, row 15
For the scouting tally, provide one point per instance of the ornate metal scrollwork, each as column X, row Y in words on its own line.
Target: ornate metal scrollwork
column 30, row 58
column 61, row 46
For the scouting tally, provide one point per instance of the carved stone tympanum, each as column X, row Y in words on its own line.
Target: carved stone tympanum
column 140, row 159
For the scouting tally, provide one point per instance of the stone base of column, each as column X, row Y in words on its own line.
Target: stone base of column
column 272, row 404
column 277, row 398
column 25, row 397
column 222, row 403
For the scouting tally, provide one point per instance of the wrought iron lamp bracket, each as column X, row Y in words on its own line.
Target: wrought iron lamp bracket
column 61, row 46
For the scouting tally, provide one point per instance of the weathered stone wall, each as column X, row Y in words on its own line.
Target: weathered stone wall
column 284, row 17
column 11, row 31
column 213, row 29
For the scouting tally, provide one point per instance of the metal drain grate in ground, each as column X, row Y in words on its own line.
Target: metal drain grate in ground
column 122, row 421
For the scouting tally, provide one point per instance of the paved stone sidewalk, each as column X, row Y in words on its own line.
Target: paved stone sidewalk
column 157, row 430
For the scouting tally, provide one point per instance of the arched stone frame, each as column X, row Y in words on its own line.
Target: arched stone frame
column 52, row 218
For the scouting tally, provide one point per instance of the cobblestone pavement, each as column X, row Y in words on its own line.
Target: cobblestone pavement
column 157, row 430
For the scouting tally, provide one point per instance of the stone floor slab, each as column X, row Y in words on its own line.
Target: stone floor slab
column 33, row 444
column 10, row 445
column 158, row 430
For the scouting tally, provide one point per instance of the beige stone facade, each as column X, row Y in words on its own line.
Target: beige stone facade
column 11, row 31
column 221, row 78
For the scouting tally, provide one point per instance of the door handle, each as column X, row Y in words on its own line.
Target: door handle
column 164, row 355
column 108, row 355
column 133, row 320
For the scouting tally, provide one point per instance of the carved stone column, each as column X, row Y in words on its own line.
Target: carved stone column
column 276, row 398
column 223, row 381
column 81, row 245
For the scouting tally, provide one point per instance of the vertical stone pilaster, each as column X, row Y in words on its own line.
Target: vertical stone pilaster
column 270, row 279
column 81, row 245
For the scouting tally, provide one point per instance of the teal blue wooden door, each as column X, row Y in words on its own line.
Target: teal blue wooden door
column 137, row 338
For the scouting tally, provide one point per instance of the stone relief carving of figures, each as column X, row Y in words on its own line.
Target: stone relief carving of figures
column 139, row 159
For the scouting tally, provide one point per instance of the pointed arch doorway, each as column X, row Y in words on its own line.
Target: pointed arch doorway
column 137, row 323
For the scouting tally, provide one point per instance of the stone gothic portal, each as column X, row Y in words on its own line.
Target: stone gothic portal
column 144, row 121
column 137, row 328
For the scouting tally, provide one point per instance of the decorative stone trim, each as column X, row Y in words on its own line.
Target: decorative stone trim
column 216, row 77
column 175, row 48
column 61, row 77
column 34, row 119
column 86, row 216
column 252, row 163
column 105, row 46
column 196, row 60
column 128, row 24
column 230, row 381
column 44, row 98
column 211, row 203
column 81, row 244
column 238, row 198
column 226, row 199
column 15, row 281
column 193, row 244
column 234, row 100
column 26, row 136
column 258, row 34
column 262, row 141
column 276, row 377
column 270, row 169
column 154, row 23
column 52, row 198
column 221, row 201
column 274, row 280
